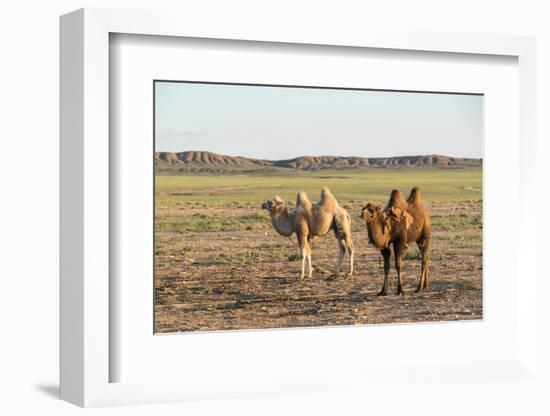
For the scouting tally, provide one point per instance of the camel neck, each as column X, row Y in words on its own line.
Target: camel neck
column 377, row 236
column 282, row 222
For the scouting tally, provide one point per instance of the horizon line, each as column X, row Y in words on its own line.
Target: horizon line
column 322, row 155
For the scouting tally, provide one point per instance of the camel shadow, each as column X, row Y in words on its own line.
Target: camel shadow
column 51, row 390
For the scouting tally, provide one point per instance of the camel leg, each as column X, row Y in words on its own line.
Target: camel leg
column 386, row 253
column 399, row 249
column 425, row 263
column 422, row 268
column 310, row 269
column 423, row 283
column 427, row 268
column 302, row 241
column 351, row 250
column 342, row 253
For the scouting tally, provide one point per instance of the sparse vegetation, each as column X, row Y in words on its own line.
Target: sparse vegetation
column 412, row 254
column 220, row 265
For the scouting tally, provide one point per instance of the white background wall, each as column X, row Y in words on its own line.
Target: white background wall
column 29, row 56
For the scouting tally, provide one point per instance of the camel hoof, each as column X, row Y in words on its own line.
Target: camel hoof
column 302, row 277
column 400, row 292
column 418, row 290
column 382, row 293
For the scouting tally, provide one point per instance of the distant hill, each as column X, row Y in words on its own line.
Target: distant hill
column 209, row 162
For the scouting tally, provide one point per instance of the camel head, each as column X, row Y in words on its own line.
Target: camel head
column 274, row 205
column 371, row 212
column 376, row 218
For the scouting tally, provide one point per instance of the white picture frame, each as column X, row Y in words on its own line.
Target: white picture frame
column 85, row 213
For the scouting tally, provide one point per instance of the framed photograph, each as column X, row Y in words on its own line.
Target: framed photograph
column 220, row 262
column 254, row 213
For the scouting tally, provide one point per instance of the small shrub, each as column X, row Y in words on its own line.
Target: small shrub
column 271, row 245
column 412, row 254
column 293, row 257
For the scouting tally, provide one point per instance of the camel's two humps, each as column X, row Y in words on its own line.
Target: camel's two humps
column 310, row 220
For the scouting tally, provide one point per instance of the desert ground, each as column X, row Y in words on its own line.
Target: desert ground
column 220, row 265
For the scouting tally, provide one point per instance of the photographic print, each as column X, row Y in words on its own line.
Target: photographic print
column 288, row 206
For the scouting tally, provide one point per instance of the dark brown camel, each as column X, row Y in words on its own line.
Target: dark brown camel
column 400, row 223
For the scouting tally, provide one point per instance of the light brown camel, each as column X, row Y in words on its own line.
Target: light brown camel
column 309, row 220
column 400, row 223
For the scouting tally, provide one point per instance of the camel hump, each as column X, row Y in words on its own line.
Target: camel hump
column 326, row 195
column 395, row 195
column 302, row 199
column 415, row 196
column 396, row 200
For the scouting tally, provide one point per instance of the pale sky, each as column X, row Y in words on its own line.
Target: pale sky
column 280, row 123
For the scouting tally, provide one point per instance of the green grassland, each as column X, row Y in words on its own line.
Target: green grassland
column 244, row 193
column 371, row 184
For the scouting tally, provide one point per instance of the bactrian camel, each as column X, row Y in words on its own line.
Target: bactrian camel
column 400, row 223
column 309, row 220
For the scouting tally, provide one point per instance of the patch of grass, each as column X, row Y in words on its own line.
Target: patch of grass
column 473, row 236
column 413, row 254
column 271, row 245
column 442, row 256
column 454, row 222
column 357, row 186
column 234, row 258
column 200, row 222
column 293, row 257
column 472, row 245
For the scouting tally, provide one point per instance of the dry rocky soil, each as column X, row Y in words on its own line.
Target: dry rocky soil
column 227, row 269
